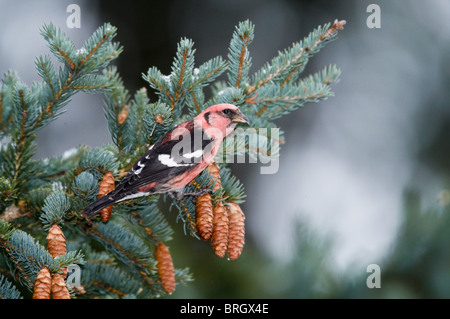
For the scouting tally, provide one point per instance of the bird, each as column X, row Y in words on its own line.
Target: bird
column 175, row 159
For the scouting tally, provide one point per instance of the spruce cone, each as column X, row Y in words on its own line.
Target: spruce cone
column 214, row 171
column 106, row 186
column 219, row 238
column 204, row 216
column 236, row 231
column 59, row 288
column 166, row 270
column 123, row 115
column 56, row 241
column 42, row 285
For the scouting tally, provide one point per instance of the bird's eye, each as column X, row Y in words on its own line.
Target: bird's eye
column 226, row 111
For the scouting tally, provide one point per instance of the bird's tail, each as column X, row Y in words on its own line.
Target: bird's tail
column 92, row 209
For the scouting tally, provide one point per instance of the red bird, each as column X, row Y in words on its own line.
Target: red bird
column 176, row 159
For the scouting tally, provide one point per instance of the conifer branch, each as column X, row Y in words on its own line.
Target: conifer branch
column 52, row 192
column 207, row 73
column 60, row 45
column 116, row 103
column 109, row 278
column 152, row 224
column 160, row 83
column 27, row 256
column 127, row 247
column 177, row 93
column 294, row 59
column 8, row 290
column 195, row 103
column 239, row 58
column 96, row 42
column 2, row 123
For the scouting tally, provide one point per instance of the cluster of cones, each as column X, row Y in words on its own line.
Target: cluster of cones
column 222, row 223
column 49, row 285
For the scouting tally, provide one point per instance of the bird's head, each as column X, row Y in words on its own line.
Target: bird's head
column 222, row 117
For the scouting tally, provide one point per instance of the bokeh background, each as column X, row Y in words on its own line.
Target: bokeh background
column 364, row 177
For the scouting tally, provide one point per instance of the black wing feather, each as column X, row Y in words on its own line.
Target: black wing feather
column 154, row 170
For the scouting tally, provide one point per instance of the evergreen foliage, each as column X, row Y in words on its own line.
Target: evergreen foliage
column 117, row 257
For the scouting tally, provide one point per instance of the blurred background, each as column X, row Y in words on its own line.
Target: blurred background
column 364, row 177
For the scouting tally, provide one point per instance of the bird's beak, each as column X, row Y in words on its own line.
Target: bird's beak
column 238, row 117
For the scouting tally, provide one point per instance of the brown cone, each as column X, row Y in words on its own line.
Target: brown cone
column 236, row 230
column 106, row 185
column 166, row 270
column 56, row 241
column 204, row 216
column 42, row 285
column 214, row 171
column 219, row 238
column 59, row 288
column 123, row 115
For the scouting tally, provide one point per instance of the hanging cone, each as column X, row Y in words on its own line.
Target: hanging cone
column 123, row 115
column 42, row 285
column 56, row 244
column 204, row 216
column 166, row 270
column 56, row 241
column 219, row 238
column 236, row 230
column 214, row 171
column 106, row 185
column 59, row 288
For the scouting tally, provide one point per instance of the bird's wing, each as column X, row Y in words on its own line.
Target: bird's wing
column 166, row 160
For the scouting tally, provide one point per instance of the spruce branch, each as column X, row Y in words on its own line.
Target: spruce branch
column 157, row 121
column 55, row 207
column 32, row 108
column 69, row 258
column 160, row 83
column 8, row 290
column 282, row 100
column 60, row 45
column 231, row 95
column 27, row 257
column 207, row 72
column 119, row 255
column 47, row 72
column 98, row 161
column 196, row 101
column 185, row 82
column 153, row 227
column 141, row 137
column 96, row 47
column 238, row 56
column 116, row 108
column 110, row 280
column 294, row 59
column 182, row 68
column 233, row 189
column 126, row 246
column 6, row 89
column 6, row 230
